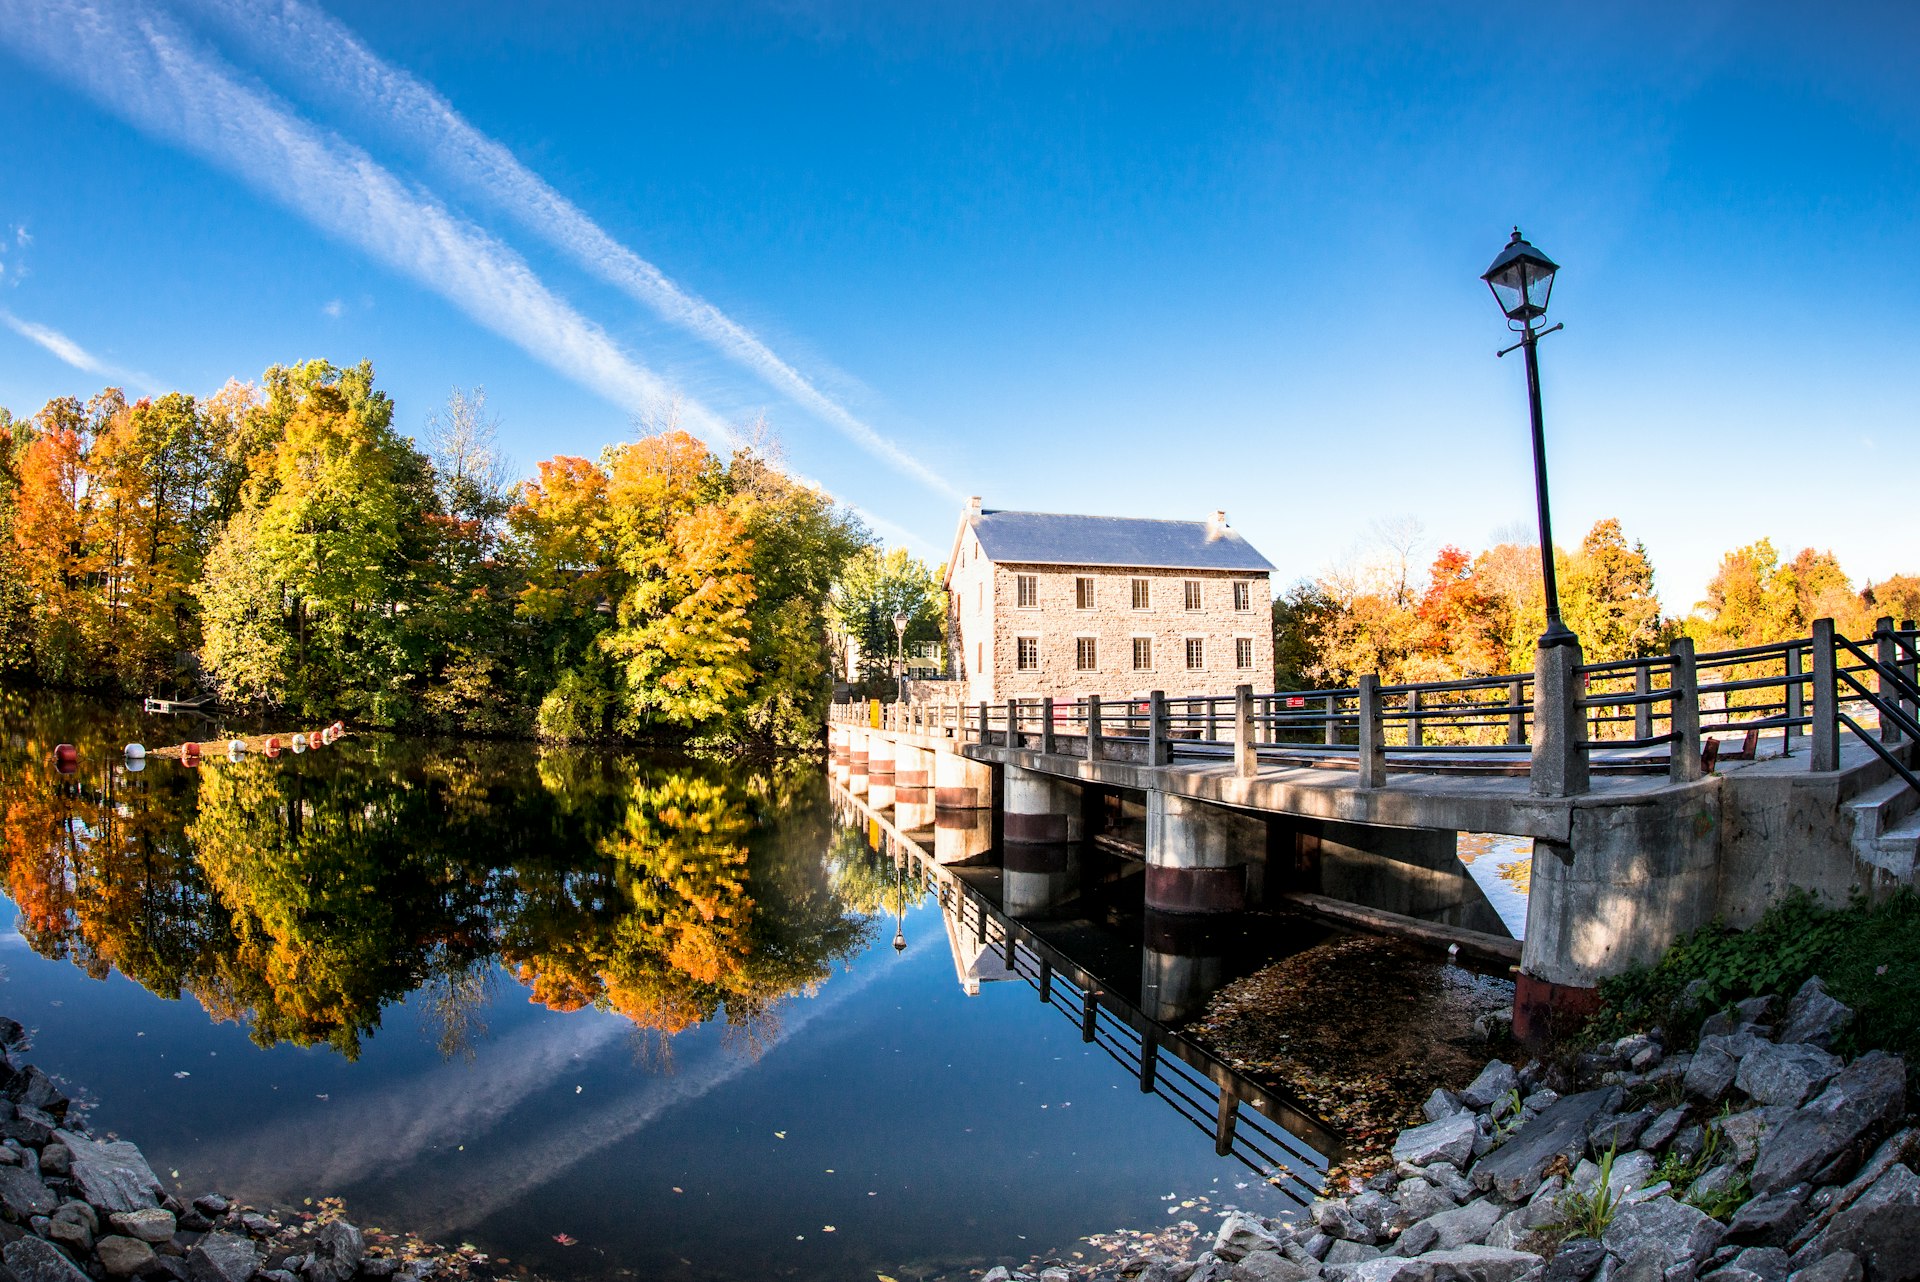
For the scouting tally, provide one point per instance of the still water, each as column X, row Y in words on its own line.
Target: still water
column 599, row 1015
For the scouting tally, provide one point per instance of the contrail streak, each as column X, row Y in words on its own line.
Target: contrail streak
column 140, row 66
column 323, row 52
column 72, row 353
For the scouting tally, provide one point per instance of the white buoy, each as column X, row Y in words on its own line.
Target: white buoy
column 299, row 743
column 136, row 752
column 236, row 749
column 134, row 765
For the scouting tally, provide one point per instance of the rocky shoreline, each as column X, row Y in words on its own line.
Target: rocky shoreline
column 1757, row 1156
column 78, row 1208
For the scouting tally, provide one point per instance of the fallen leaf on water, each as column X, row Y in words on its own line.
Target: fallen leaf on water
column 183, row 1073
column 564, row 1240
column 828, row 1228
column 779, row 1135
column 884, row 1278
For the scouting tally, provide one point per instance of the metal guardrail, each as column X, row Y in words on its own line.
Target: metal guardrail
column 1640, row 715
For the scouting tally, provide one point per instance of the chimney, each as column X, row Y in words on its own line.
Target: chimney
column 973, row 506
column 1217, row 525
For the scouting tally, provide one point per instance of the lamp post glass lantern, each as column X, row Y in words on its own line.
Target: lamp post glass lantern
column 900, row 652
column 1521, row 279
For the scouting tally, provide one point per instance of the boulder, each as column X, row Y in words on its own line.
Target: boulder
column 1349, row 1252
column 1881, row 1228
column 1620, row 1132
column 33, row 1260
column 1449, row 1229
column 72, row 1233
column 122, row 1257
column 1755, row 1264
column 1375, row 1213
column 1771, row 1220
column 1479, row 1264
column 222, row 1257
column 35, row 1089
column 24, row 1195
column 1741, row 1133
column 1442, row 1103
column 1862, row 1103
column 56, row 1159
column 1814, row 1017
column 1787, row 1075
column 1267, row 1266
column 1841, row 1266
column 1391, row 1269
column 111, row 1174
column 1448, row 1140
column 1714, row 1182
column 1240, row 1234
column 1663, row 1128
column 1711, row 1073
column 1418, row 1199
column 149, row 1224
column 1333, row 1219
column 1676, row 1231
column 1575, row 1261
column 1495, row 1080
column 1515, row 1169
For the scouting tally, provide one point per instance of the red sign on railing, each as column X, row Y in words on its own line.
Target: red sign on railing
column 1296, row 701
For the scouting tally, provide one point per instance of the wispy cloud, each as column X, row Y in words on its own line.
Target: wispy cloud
column 327, row 55
column 65, row 349
column 139, row 64
column 333, row 309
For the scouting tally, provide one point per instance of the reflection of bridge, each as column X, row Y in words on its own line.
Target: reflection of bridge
column 1659, row 792
column 1271, row 1136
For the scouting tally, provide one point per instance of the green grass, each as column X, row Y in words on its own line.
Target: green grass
column 1588, row 1212
column 1868, row 954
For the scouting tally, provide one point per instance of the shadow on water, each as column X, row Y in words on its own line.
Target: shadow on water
column 605, row 1015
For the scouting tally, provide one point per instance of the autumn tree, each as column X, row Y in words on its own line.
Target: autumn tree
column 874, row 587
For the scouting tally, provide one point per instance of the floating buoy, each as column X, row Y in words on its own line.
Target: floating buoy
column 273, row 747
column 316, row 740
column 136, row 752
column 189, row 754
column 66, row 758
column 134, row 765
column 236, row 749
column 299, row 743
column 339, row 728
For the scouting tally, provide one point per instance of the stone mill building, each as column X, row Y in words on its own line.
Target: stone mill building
column 1041, row 604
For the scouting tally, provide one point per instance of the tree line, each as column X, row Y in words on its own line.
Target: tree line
column 1471, row 615
column 285, row 546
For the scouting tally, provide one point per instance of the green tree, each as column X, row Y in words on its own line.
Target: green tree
column 1609, row 599
column 875, row 586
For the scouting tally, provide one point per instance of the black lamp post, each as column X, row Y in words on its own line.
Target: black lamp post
column 900, row 652
column 900, row 902
column 1521, row 279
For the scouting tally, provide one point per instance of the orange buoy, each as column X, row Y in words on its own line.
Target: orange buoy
column 339, row 728
column 273, row 747
column 189, row 754
column 66, row 758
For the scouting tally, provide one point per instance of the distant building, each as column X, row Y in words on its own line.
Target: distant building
column 1040, row 604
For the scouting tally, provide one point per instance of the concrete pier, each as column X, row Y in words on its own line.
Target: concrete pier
column 1036, row 880
column 1201, row 858
column 1040, row 808
column 961, row 783
column 1183, row 964
column 880, row 764
column 962, row 836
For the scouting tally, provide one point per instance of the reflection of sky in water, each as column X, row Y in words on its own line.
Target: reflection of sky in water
column 1499, row 865
column 920, row 1123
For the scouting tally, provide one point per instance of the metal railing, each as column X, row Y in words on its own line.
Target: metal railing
column 1678, row 712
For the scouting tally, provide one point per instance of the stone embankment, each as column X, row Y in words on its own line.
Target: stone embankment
column 76, row 1208
column 1759, row 1156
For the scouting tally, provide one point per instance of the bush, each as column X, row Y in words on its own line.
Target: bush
column 1868, row 954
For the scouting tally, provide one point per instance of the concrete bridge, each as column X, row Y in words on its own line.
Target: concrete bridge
column 1659, row 793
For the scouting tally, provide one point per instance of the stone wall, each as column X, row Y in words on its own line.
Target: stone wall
column 986, row 622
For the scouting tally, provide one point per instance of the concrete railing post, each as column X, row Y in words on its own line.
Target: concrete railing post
column 1887, row 654
column 1246, row 761
column 1013, row 723
column 1046, row 725
column 1909, row 668
column 1559, row 765
column 1332, row 738
column 1826, row 700
column 1373, row 743
column 983, row 721
column 1159, row 741
column 1684, row 764
column 1796, row 699
column 1415, row 735
column 1516, row 711
column 1093, row 727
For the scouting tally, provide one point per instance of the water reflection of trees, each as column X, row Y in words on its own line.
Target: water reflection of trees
column 304, row 895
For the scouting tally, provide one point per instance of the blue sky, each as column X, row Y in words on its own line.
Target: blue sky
column 1135, row 259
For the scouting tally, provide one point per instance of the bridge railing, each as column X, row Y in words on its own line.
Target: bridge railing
column 1679, row 712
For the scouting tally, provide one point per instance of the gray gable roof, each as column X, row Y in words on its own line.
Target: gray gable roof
column 1048, row 538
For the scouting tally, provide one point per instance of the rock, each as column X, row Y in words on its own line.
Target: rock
column 1663, row 1128
column 1267, row 1266
column 1881, row 1229
column 73, row 1234
column 1345, row 1252
column 214, row 1204
column 281, row 1275
column 23, row 1195
column 111, row 1174
column 1447, row 1178
column 1755, row 1010
column 1575, row 1261
column 998, row 1273
column 222, row 1257
column 150, row 1224
column 1374, row 1212
column 1713, row 1183
column 12, row 1035
column 1711, row 1073
column 1448, row 1140
column 1786, row 1075
column 1479, row 1264
column 337, row 1248
column 1495, row 1080
column 1450, row 1229
column 1333, row 1219
column 33, row 1260
column 1538, row 1102
column 1515, row 1169
column 1391, row 1269
column 1676, row 1231
column 56, row 1159
column 1862, row 1103
column 1055, row 1274
column 1417, row 1199
column 124, row 1256
column 1814, row 1017
column 258, row 1224
column 1756, row 1264
column 1443, row 1103
column 1742, row 1132
column 381, row 1267
column 1619, row 1133
column 27, row 1131
column 35, row 1089
column 1241, row 1234
column 1767, row 1221
column 1841, row 1266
